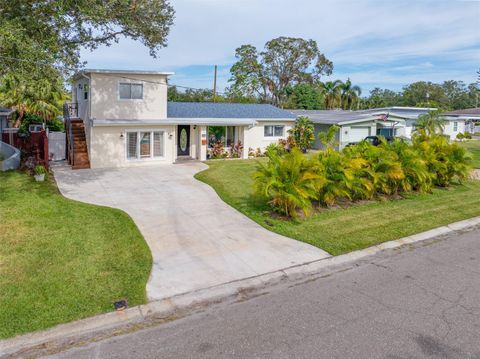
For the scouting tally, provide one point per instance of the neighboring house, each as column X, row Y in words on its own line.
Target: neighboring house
column 467, row 120
column 124, row 120
column 354, row 125
column 387, row 121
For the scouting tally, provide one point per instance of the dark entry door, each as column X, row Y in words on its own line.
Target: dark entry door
column 183, row 140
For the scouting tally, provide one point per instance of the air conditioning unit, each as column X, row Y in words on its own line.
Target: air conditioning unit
column 35, row 128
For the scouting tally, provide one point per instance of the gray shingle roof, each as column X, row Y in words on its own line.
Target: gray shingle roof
column 467, row 111
column 225, row 110
column 339, row 116
column 331, row 117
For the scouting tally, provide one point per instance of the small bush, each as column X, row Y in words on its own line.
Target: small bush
column 218, row 151
column 39, row 170
column 236, row 151
column 303, row 133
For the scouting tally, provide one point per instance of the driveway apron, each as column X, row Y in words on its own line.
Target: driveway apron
column 197, row 240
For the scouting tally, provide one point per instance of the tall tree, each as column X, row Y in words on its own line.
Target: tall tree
column 304, row 96
column 331, row 93
column 425, row 94
column 349, row 94
column 284, row 62
column 40, row 42
column 56, row 30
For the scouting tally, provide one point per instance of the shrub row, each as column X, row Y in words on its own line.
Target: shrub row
column 292, row 182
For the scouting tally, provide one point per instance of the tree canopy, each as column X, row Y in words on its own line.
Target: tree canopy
column 40, row 42
column 284, row 62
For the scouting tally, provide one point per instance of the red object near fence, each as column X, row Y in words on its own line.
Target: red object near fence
column 35, row 145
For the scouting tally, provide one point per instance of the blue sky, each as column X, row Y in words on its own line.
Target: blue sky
column 375, row 43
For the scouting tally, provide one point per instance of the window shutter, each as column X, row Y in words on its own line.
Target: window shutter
column 131, row 145
column 158, row 144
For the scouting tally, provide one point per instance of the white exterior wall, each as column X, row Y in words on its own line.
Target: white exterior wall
column 78, row 96
column 106, row 102
column 449, row 128
column 108, row 149
column 253, row 137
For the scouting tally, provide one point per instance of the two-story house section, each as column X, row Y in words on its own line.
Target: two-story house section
column 122, row 118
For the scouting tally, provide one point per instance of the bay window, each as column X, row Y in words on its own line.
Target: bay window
column 145, row 145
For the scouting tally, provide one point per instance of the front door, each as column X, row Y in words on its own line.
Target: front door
column 183, row 140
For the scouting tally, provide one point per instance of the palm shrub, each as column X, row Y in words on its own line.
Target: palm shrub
column 303, row 133
column 445, row 161
column 331, row 166
column 288, row 182
column 383, row 166
column 416, row 174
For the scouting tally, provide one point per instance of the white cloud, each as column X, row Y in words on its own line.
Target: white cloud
column 351, row 33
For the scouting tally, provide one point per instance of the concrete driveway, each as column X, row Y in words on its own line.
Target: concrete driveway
column 197, row 240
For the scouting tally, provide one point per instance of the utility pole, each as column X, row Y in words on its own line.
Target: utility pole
column 215, row 84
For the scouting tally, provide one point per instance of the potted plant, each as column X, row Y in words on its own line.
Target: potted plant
column 39, row 173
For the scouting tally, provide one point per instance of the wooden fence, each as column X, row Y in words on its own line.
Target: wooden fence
column 34, row 145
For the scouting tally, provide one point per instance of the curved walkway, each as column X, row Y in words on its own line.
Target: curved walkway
column 197, row 240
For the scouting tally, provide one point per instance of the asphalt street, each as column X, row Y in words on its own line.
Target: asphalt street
column 421, row 301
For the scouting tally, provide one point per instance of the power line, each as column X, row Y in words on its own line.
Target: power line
column 42, row 63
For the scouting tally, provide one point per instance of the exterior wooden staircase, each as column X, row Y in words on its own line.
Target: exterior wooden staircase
column 77, row 152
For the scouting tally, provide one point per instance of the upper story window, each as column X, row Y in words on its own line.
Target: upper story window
column 273, row 131
column 130, row 91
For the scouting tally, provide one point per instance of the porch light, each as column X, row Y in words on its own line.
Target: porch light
column 194, row 127
column 121, row 135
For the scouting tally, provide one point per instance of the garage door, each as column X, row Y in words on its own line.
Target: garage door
column 358, row 134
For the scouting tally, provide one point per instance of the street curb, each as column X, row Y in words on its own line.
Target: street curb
column 168, row 307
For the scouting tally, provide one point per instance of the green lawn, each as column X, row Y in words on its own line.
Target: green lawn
column 62, row 260
column 343, row 230
column 474, row 147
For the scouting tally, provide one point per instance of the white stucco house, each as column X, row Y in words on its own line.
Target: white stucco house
column 354, row 125
column 395, row 121
column 466, row 120
column 122, row 118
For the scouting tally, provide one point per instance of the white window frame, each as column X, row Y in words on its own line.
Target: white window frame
column 455, row 126
column 274, row 136
column 122, row 82
column 152, row 157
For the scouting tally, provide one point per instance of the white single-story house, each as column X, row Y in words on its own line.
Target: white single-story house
column 354, row 125
column 127, row 121
column 388, row 121
column 466, row 120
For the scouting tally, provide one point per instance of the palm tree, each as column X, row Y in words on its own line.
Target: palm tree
column 13, row 95
column 430, row 123
column 349, row 94
column 331, row 93
column 40, row 98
